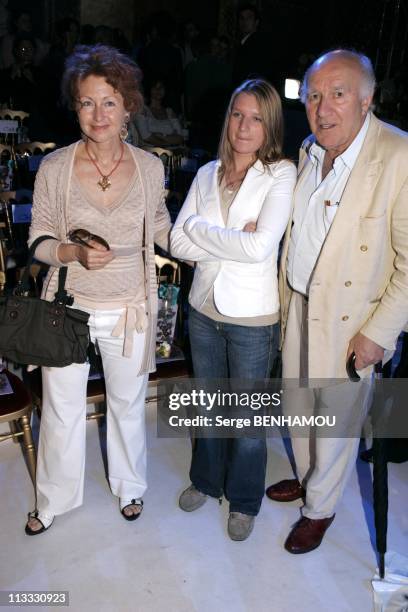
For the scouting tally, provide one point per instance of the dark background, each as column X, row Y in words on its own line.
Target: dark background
column 378, row 27
column 294, row 32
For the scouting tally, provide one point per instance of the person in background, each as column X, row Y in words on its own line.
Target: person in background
column 24, row 87
column 21, row 26
column 19, row 82
column 104, row 35
column 121, row 42
column 4, row 18
column 224, row 50
column 190, row 32
column 230, row 225
column 253, row 52
column 157, row 124
column 103, row 202
column 61, row 120
column 207, row 92
column 87, row 34
column 344, row 278
column 66, row 37
column 162, row 57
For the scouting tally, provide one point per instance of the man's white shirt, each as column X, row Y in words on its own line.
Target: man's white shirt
column 245, row 38
column 315, row 206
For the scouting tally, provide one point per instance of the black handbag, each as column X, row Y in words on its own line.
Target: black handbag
column 37, row 332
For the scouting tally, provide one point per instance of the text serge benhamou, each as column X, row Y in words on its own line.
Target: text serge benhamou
column 255, row 420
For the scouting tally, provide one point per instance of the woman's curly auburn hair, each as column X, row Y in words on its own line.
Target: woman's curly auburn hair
column 100, row 60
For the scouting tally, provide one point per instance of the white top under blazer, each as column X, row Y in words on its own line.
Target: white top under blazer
column 241, row 266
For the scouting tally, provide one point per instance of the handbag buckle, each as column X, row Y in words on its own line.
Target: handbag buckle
column 20, row 290
column 68, row 300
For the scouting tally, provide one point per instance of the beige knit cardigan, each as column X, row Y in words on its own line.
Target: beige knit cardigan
column 50, row 199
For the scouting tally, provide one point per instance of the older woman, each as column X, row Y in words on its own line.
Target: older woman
column 103, row 202
column 230, row 225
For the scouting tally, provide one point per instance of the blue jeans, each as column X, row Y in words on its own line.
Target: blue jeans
column 235, row 467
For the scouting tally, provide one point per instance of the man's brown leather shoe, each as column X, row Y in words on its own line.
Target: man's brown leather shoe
column 286, row 490
column 307, row 534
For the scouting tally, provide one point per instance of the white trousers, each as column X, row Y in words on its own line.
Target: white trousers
column 61, row 452
column 323, row 464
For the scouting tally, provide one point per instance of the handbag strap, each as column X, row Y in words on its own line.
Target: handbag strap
column 62, row 297
column 23, row 287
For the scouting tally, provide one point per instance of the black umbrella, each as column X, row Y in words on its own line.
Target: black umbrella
column 380, row 467
column 380, row 473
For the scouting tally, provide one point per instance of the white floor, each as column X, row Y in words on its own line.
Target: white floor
column 176, row 562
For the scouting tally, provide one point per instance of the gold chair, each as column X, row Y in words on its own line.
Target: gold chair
column 6, row 147
column 15, row 409
column 2, row 258
column 6, row 196
column 171, row 160
column 12, row 115
column 167, row 157
column 35, row 270
column 161, row 262
column 33, row 148
column 2, row 276
column 5, row 221
column 174, row 366
column 159, row 151
column 9, row 113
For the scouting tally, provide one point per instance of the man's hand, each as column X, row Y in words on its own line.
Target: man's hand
column 366, row 351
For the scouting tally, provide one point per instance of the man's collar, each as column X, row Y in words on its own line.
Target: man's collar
column 245, row 38
column 349, row 156
column 316, row 153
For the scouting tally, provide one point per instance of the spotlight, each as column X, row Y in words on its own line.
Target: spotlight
column 292, row 89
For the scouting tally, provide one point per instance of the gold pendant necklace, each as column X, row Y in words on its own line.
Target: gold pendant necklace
column 104, row 182
column 232, row 186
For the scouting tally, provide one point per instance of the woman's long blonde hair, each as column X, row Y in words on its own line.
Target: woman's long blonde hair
column 270, row 107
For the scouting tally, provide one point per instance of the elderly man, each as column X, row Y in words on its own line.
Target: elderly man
column 344, row 274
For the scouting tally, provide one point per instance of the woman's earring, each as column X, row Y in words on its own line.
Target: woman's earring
column 124, row 132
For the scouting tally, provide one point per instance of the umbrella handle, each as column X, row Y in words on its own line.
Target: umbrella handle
column 351, row 368
column 354, row 375
column 381, row 566
column 378, row 370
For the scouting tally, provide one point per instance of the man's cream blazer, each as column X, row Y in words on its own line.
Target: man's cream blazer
column 360, row 281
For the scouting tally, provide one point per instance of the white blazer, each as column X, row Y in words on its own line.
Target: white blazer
column 241, row 266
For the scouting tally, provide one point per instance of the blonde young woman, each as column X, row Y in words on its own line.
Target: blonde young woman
column 230, row 225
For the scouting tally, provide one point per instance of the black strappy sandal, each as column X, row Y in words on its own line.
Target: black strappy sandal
column 133, row 502
column 33, row 532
